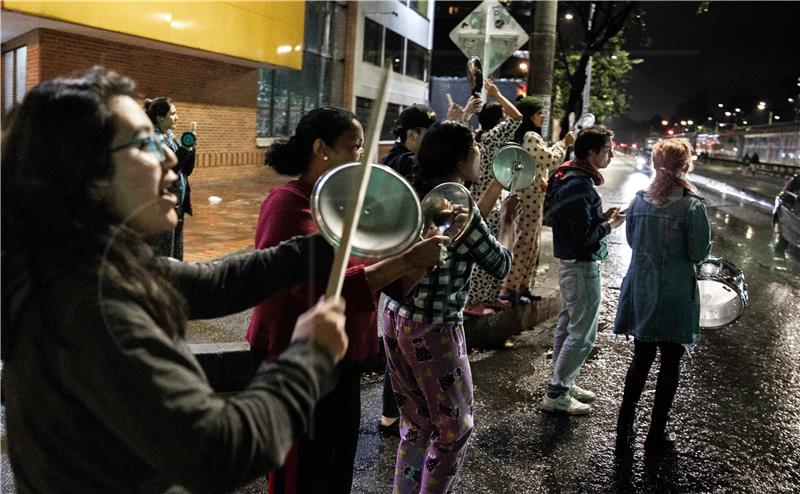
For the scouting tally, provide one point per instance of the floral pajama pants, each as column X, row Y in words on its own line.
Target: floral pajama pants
column 432, row 383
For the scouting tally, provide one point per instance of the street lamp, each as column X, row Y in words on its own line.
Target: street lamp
column 664, row 123
column 569, row 16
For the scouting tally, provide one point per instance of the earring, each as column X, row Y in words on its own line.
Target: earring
column 324, row 158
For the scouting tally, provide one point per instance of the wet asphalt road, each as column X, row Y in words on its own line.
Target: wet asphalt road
column 736, row 414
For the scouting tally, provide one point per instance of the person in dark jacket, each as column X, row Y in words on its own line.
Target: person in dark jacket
column 659, row 304
column 164, row 115
column 410, row 127
column 101, row 391
column 579, row 230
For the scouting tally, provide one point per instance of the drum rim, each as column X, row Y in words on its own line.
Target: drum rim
column 333, row 239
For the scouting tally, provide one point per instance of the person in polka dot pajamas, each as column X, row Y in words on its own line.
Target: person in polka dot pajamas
column 499, row 120
column 518, row 284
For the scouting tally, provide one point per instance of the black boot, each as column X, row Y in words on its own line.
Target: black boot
column 656, row 444
column 626, row 434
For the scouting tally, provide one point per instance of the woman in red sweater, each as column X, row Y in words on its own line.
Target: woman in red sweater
column 324, row 138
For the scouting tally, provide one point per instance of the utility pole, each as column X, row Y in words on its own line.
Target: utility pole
column 542, row 53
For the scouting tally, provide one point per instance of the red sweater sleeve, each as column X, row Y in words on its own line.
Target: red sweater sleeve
column 286, row 213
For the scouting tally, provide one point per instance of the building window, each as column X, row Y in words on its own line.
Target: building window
column 407, row 57
column 364, row 111
column 420, row 7
column 285, row 95
column 417, row 61
column 15, row 63
column 394, row 50
column 373, row 42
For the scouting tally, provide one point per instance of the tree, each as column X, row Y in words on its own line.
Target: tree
column 610, row 71
column 601, row 23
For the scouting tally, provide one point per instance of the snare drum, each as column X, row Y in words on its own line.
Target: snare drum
column 723, row 292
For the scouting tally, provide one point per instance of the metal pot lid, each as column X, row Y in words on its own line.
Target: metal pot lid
column 390, row 218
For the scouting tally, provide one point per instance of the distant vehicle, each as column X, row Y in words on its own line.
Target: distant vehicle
column 642, row 162
column 786, row 215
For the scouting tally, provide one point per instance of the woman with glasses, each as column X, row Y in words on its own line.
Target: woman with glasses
column 164, row 116
column 101, row 391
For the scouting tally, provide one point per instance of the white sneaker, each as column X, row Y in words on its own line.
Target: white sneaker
column 566, row 404
column 582, row 395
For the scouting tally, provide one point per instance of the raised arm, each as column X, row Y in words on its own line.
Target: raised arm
column 509, row 107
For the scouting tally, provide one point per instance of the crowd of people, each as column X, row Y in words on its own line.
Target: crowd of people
column 100, row 388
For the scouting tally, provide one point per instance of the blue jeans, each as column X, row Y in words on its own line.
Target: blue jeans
column 576, row 328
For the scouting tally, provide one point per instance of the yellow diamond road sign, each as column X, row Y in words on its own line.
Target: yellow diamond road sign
column 489, row 32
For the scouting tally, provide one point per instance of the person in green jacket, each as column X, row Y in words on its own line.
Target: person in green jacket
column 668, row 231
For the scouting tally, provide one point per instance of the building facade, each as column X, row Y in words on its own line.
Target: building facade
column 244, row 71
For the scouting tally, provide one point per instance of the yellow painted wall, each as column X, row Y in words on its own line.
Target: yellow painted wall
column 263, row 31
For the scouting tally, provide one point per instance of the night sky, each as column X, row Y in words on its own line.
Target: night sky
column 737, row 53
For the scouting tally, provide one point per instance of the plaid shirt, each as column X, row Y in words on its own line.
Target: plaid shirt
column 442, row 294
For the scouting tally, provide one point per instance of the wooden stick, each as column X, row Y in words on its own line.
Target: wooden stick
column 342, row 256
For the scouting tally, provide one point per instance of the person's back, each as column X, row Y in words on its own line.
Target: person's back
column 667, row 238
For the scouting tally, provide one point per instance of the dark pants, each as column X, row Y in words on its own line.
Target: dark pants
column 324, row 463
column 666, row 385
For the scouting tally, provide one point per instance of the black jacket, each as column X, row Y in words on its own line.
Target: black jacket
column 100, row 399
column 579, row 228
column 403, row 161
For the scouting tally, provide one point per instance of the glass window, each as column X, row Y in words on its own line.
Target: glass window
column 394, row 50
column 8, row 80
column 20, row 67
column 392, row 112
column 373, row 41
column 420, row 7
column 417, row 61
column 285, row 95
column 363, row 111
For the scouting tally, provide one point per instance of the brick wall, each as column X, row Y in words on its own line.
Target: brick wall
column 220, row 97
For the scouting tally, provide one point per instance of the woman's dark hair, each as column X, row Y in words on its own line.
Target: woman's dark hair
column 157, row 107
column 445, row 145
column 292, row 156
column 592, row 138
column 528, row 106
column 56, row 146
column 489, row 116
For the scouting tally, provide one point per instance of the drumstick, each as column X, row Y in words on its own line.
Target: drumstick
column 193, row 126
column 449, row 99
column 354, row 206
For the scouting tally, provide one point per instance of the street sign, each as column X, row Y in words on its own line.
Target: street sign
column 493, row 41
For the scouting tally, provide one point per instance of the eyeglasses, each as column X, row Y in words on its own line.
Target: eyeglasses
column 155, row 143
